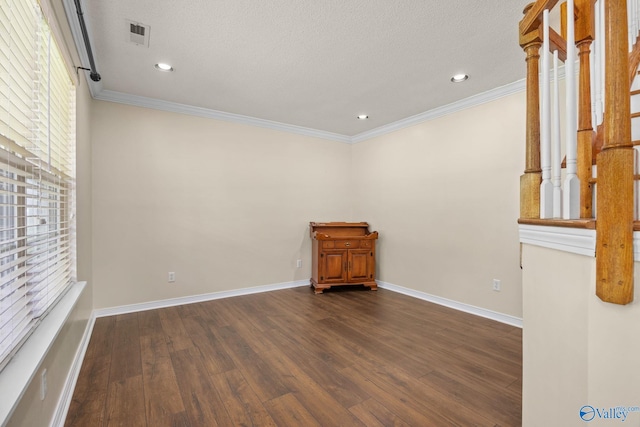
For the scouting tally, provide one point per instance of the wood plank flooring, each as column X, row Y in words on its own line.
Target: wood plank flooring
column 348, row 357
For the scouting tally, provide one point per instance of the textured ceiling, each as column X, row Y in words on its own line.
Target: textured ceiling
column 315, row 64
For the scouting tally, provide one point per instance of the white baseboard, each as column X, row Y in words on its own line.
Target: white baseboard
column 172, row 302
column 471, row 309
column 64, row 402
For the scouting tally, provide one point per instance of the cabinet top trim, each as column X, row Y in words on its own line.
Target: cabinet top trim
column 338, row 224
column 334, row 230
column 323, row 236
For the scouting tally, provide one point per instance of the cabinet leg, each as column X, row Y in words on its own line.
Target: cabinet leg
column 317, row 287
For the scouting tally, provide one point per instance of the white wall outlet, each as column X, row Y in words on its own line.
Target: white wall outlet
column 172, row 276
column 299, row 263
column 43, row 384
column 496, row 285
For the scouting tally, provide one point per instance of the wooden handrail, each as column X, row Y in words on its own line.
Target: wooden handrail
column 533, row 15
column 557, row 42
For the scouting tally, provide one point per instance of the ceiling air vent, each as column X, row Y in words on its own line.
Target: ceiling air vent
column 138, row 33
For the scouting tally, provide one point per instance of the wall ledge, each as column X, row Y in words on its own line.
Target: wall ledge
column 22, row 369
column 574, row 240
column 60, row 414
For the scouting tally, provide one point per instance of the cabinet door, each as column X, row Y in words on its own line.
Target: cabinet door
column 360, row 265
column 333, row 266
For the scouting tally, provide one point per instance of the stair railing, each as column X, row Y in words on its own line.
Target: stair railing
column 598, row 98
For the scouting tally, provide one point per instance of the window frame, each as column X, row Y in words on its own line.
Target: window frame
column 37, row 161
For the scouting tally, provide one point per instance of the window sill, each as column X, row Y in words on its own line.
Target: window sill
column 18, row 374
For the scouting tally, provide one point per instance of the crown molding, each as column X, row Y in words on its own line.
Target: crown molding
column 454, row 107
column 174, row 107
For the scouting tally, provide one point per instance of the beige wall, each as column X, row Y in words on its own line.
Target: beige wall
column 577, row 350
column 223, row 205
column 444, row 196
column 555, row 335
column 226, row 206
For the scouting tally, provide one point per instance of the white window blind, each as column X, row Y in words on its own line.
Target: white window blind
column 37, row 169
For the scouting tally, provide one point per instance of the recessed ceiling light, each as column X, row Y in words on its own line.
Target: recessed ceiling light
column 458, row 78
column 363, row 117
column 164, row 67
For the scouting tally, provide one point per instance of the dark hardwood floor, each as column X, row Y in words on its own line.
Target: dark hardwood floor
column 348, row 357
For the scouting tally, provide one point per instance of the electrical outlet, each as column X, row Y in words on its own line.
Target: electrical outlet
column 43, row 384
column 496, row 285
column 172, row 277
column 299, row 263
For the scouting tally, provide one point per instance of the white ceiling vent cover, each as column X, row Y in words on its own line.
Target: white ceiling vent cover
column 138, row 33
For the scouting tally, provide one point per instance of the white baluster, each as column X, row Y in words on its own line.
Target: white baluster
column 636, row 149
column 546, row 188
column 636, row 185
column 632, row 12
column 592, row 83
column 571, row 209
column 637, row 17
column 594, row 77
column 603, row 58
column 598, row 65
column 633, row 28
column 556, row 143
column 630, row 23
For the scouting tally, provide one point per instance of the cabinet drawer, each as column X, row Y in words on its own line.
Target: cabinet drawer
column 328, row 244
column 347, row 244
column 366, row 244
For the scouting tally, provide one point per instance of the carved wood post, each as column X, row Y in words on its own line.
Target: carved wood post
column 614, row 225
column 585, row 132
column 585, row 28
column 532, row 177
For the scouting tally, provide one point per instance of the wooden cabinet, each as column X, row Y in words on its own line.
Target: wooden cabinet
column 343, row 253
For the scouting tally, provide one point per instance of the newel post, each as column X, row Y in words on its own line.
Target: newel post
column 532, row 177
column 614, row 225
